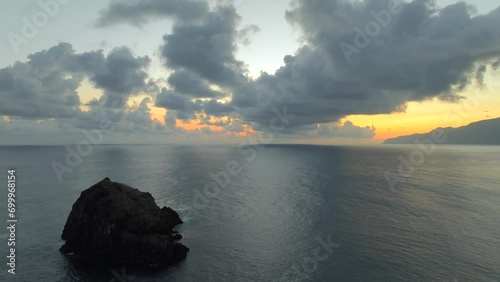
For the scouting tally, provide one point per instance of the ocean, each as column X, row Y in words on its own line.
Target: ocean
column 275, row 212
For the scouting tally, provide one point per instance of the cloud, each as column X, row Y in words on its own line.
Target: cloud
column 46, row 86
column 206, row 120
column 207, row 48
column 169, row 100
column 185, row 108
column 40, row 88
column 45, row 89
column 235, row 126
column 203, row 40
column 120, row 74
column 140, row 12
column 246, row 33
column 202, row 55
column 189, row 83
column 171, row 120
column 480, row 73
column 357, row 58
column 418, row 53
column 346, row 130
column 217, row 109
column 495, row 65
column 307, row 87
column 182, row 105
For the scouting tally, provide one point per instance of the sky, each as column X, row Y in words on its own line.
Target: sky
column 288, row 71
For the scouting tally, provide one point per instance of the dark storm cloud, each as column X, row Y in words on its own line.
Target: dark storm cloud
column 409, row 52
column 139, row 12
column 46, row 85
column 203, row 53
column 364, row 57
column 421, row 51
column 120, row 74
column 215, row 108
column 207, row 48
column 306, row 88
column 40, row 88
column 184, row 108
column 169, row 100
column 203, row 41
column 189, row 83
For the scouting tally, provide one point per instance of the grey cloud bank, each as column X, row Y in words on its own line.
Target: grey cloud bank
column 403, row 51
column 46, row 85
column 421, row 54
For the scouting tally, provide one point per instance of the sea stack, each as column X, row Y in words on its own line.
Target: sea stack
column 114, row 223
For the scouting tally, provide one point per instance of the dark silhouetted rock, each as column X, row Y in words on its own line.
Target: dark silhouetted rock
column 115, row 223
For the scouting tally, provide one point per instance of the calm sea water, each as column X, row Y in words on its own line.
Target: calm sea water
column 271, row 221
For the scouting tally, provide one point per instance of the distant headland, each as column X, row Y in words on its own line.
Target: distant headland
column 486, row 132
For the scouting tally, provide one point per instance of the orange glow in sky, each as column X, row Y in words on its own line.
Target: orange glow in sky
column 422, row 117
column 419, row 117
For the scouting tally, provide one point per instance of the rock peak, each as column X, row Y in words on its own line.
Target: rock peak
column 115, row 223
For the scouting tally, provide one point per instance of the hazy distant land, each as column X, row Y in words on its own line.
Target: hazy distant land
column 486, row 132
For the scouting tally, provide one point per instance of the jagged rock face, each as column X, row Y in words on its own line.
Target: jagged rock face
column 116, row 223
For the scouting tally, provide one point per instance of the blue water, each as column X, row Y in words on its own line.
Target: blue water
column 266, row 222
